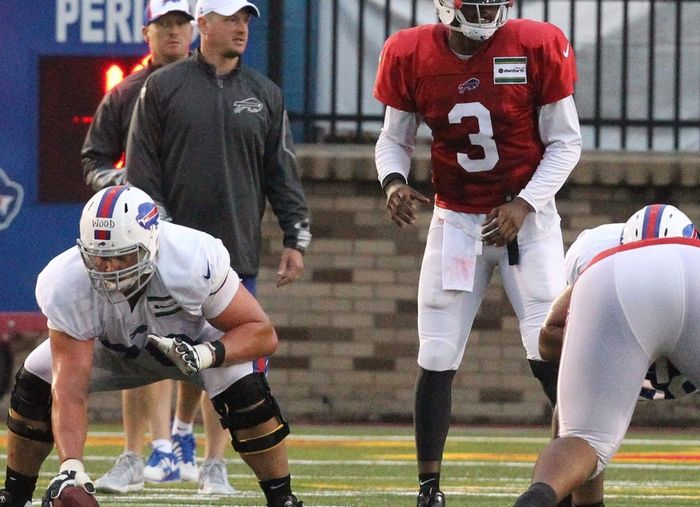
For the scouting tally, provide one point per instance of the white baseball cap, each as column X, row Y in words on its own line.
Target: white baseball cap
column 224, row 7
column 157, row 8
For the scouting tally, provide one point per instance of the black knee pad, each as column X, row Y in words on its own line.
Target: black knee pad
column 31, row 399
column 546, row 372
column 234, row 408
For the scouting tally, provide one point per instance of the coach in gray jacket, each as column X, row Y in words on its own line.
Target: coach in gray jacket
column 210, row 142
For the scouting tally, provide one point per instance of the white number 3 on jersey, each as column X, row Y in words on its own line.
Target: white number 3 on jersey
column 483, row 138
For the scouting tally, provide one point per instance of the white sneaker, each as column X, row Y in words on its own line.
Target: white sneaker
column 126, row 475
column 213, row 479
column 185, row 450
column 162, row 467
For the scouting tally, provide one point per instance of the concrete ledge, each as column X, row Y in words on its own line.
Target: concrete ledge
column 345, row 162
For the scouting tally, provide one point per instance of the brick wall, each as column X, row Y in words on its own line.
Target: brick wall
column 348, row 326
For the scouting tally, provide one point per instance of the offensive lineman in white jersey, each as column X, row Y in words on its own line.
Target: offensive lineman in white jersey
column 136, row 301
column 632, row 306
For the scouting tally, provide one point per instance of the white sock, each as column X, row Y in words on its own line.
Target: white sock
column 182, row 428
column 163, row 445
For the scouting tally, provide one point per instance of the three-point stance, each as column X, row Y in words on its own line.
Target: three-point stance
column 136, row 301
column 633, row 305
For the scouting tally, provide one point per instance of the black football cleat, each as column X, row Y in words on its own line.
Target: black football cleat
column 431, row 498
column 285, row 501
column 8, row 500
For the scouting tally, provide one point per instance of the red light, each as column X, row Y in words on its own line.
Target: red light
column 81, row 120
column 143, row 63
column 113, row 76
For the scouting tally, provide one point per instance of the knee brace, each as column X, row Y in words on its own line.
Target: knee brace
column 546, row 372
column 30, row 399
column 245, row 404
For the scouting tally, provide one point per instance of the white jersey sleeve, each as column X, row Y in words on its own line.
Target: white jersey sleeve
column 194, row 265
column 560, row 132
column 396, row 143
column 67, row 299
column 588, row 244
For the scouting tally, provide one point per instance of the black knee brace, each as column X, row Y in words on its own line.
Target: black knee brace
column 546, row 372
column 234, row 408
column 30, row 399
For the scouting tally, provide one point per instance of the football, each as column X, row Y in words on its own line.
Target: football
column 75, row 496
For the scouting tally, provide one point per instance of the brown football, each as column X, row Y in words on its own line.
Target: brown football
column 75, row 496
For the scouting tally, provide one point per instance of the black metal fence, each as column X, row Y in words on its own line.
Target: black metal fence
column 638, row 64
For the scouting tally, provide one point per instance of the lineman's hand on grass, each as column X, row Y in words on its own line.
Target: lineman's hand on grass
column 72, row 473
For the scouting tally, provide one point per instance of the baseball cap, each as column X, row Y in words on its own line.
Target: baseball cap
column 157, row 8
column 223, row 7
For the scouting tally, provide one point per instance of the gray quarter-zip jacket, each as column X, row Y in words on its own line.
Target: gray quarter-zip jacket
column 212, row 149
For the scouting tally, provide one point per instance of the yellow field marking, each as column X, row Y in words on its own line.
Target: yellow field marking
column 622, row 457
column 687, row 457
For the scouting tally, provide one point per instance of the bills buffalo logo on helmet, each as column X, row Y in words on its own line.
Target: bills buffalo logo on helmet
column 147, row 216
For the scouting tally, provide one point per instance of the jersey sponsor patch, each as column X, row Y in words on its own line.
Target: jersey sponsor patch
column 510, row 70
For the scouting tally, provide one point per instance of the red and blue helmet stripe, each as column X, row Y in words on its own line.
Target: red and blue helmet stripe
column 106, row 208
column 651, row 225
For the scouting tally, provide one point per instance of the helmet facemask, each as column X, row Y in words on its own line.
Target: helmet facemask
column 119, row 240
column 451, row 14
column 121, row 284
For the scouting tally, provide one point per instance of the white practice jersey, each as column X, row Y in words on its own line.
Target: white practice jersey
column 588, row 244
column 634, row 305
column 192, row 266
column 663, row 381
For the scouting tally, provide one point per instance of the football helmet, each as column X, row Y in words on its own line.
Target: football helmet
column 657, row 221
column 451, row 14
column 116, row 223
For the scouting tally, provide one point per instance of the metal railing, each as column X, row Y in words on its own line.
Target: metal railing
column 638, row 65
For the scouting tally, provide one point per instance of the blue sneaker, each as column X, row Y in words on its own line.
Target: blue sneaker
column 161, row 467
column 185, row 451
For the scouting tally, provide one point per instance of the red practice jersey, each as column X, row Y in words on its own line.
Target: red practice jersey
column 482, row 111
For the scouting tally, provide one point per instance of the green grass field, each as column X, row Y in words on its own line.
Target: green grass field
column 368, row 466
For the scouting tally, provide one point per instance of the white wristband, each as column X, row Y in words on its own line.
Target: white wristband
column 206, row 355
column 72, row 464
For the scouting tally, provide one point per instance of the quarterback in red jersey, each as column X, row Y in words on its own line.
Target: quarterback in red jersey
column 497, row 96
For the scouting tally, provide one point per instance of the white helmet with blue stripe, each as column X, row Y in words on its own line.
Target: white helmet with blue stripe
column 657, row 221
column 119, row 239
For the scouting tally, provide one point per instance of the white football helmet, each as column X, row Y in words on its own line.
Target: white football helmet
column 657, row 221
column 451, row 14
column 116, row 222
